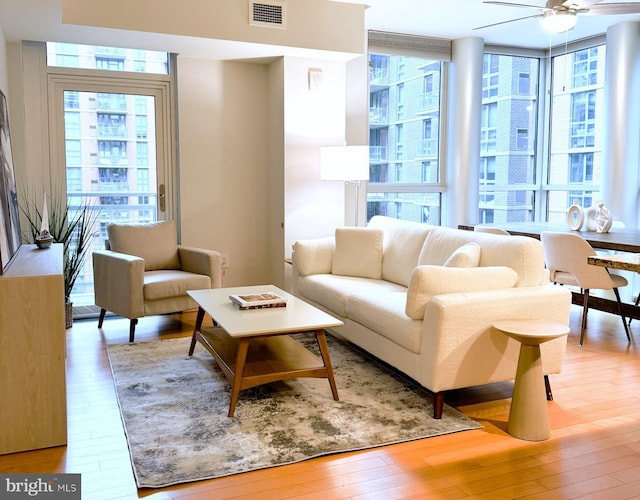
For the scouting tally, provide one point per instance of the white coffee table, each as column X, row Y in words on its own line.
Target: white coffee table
column 255, row 347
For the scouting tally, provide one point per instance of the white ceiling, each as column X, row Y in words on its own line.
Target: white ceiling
column 40, row 20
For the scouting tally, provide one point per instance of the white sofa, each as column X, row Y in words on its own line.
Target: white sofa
column 423, row 298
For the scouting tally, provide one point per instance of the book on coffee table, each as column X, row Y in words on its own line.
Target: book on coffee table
column 258, row 300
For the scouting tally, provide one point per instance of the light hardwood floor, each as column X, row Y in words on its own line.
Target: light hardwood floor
column 594, row 451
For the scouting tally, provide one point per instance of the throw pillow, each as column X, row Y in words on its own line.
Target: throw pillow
column 314, row 256
column 467, row 255
column 156, row 243
column 429, row 281
column 358, row 252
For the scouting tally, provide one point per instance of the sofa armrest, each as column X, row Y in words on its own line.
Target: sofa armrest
column 460, row 348
column 314, row 256
column 202, row 261
column 118, row 283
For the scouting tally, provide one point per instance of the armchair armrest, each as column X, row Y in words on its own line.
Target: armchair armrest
column 202, row 261
column 118, row 283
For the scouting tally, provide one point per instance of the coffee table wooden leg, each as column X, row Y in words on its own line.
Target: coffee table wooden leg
column 324, row 350
column 241, row 358
column 196, row 329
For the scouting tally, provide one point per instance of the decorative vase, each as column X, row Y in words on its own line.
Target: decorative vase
column 575, row 216
column 68, row 314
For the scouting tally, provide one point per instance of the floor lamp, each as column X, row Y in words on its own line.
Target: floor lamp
column 345, row 163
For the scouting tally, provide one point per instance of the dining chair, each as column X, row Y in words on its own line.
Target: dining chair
column 566, row 258
column 479, row 228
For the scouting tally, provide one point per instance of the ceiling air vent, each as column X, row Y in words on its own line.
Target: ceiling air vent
column 271, row 14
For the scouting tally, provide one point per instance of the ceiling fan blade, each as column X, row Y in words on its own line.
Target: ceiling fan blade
column 510, row 4
column 604, row 9
column 508, row 21
column 581, row 4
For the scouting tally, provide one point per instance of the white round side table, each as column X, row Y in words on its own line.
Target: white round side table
column 528, row 417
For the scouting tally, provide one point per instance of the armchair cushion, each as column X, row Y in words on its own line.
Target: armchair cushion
column 163, row 284
column 156, row 243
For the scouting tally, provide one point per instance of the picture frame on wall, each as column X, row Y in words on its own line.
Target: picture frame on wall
column 10, row 235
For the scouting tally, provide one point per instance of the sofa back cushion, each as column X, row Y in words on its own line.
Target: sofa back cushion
column 358, row 252
column 156, row 243
column 429, row 281
column 314, row 256
column 402, row 243
column 521, row 253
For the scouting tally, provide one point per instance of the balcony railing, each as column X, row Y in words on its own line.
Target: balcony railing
column 377, row 153
column 378, row 116
column 119, row 131
column 379, row 76
column 427, row 147
column 113, row 186
column 429, row 101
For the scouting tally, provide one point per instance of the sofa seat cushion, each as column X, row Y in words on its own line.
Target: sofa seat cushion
column 383, row 312
column 163, row 284
column 332, row 290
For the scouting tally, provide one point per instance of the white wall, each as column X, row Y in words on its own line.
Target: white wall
column 249, row 139
column 310, row 24
column 4, row 80
column 224, row 163
column 313, row 118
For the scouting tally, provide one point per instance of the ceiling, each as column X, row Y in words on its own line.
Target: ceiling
column 40, row 20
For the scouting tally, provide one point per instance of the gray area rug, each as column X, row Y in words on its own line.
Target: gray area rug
column 174, row 409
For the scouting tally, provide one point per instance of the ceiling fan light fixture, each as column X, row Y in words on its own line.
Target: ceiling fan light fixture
column 559, row 21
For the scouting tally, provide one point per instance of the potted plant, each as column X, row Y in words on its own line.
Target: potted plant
column 74, row 227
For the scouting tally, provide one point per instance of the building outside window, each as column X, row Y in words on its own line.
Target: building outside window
column 69, row 55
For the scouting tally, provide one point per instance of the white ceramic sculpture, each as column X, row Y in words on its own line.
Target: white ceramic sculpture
column 603, row 218
column 597, row 218
column 575, row 216
column 590, row 218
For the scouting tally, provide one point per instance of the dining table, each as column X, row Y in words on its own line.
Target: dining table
column 619, row 239
column 617, row 249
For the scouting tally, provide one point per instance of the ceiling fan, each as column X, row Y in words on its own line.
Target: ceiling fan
column 559, row 16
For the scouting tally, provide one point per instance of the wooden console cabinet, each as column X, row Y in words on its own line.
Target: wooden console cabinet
column 33, row 408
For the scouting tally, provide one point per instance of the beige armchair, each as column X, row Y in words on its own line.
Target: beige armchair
column 144, row 271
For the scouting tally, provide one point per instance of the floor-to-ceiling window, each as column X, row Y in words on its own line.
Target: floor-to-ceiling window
column 508, row 132
column 404, row 138
column 575, row 130
column 534, row 167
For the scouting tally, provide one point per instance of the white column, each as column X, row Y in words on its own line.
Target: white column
column 462, row 161
column 621, row 138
